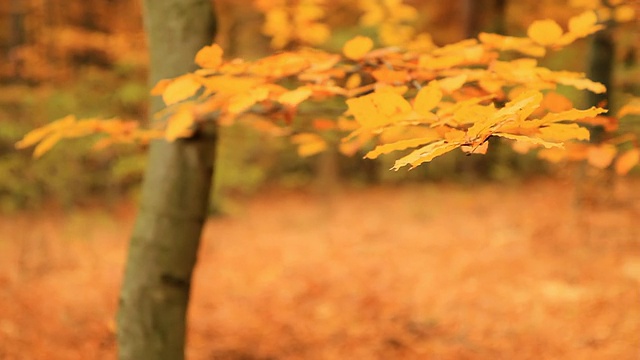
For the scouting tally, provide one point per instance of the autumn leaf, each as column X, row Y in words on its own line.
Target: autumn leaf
column 378, row 109
column 581, row 83
column 584, row 24
column 529, row 139
column 180, row 89
column 631, row 108
column 429, row 62
column 555, row 102
column 452, row 83
column 427, row 99
column 209, row 57
column 425, row 154
column 627, row 161
column 399, row 145
column 479, row 149
column 160, row 87
column 624, row 14
column 295, row 97
column 571, row 115
column 309, row 144
column 353, row 81
column 390, row 76
column 357, row 48
column 179, row 124
column 243, row 101
column 601, row 156
column 544, row 32
column 564, row 132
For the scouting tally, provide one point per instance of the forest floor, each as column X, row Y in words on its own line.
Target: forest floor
column 431, row 271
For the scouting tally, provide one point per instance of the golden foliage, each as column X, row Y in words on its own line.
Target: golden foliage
column 437, row 98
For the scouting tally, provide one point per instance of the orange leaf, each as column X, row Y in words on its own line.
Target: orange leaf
column 209, row 57
column 180, row 89
column 357, row 47
column 627, row 161
column 601, row 156
column 545, row 32
column 46, row 144
column 390, row 76
column 555, row 102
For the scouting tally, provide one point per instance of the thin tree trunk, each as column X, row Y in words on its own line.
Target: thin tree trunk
column 162, row 254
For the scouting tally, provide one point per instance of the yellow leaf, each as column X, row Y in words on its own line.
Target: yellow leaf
column 523, row 45
column 353, row 81
column 601, row 156
column 243, row 101
column 428, row 62
column 570, row 115
column 453, row 83
column 582, row 84
column 180, row 89
column 564, row 132
column 427, row 99
column 378, row 108
column 295, row 97
column 627, row 161
column 399, row 145
column 179, row 124
column 473, row 114
column 309, row 144
column 357, row 47
column 226, row 84
column 632, row 108
column 544, row 32
column 583, row 24
column 425, row 154
column 46, row 144
column 624, row 13
column 160, row 87
column 523, row 105
column 480, row 149
column 529, row 139
column 209, row 57
column 36, row 135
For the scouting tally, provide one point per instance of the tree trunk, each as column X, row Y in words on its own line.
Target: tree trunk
column 162, row 253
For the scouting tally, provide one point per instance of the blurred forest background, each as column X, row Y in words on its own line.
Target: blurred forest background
column 88, row 58
column 508, row 268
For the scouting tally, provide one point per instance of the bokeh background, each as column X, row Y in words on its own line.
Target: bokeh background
column 325, row 257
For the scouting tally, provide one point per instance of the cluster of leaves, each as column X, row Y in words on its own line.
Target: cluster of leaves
column 619, row 11
column 392, row 19
column 428, row 99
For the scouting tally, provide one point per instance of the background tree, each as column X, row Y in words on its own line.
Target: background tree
column 164, row 244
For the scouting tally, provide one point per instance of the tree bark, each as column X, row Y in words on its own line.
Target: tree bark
column 151, row 321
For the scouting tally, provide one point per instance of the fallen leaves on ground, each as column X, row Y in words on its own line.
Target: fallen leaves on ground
column 423, row 271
